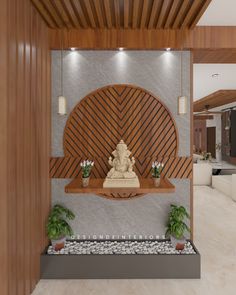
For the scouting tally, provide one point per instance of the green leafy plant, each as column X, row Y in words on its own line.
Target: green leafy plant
column 57, row 226
column 157, row 169
column 86, row 168
column 176, row 226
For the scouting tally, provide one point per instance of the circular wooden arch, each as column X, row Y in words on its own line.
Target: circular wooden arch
column 107, row 115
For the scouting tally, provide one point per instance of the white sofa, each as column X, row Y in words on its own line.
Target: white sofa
column 202, row 173
column 225, row 184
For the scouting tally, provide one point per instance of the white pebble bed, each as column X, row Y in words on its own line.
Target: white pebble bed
column 120, row 247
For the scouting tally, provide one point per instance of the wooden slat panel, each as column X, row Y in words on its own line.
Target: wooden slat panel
column 163, row 13
column 28, row 145
column 90, row 13
column 154, row 13
column 51, row 10
column 70, row 11
column 97, row 5
column 181, row 13
column 63, row 14
column 135, row 19
column 46, row 16
column 175, row 167
column 127, row 107
column 172, row 13
column 118, row 112
column 108, row 13
column 191, row 13
column 117, row 13
column 7, row 283
column 125, row 13
column 200, row 13
column 79, row 11
column 144, row 15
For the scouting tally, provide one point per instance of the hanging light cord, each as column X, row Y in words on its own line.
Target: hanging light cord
column 181, row 65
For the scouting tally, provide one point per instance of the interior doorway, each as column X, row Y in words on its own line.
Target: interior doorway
column 211, row 141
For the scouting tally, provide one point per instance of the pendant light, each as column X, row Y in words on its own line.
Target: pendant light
column 61, row 97
column 182, row 100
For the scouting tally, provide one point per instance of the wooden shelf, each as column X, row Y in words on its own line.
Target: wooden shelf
column 96, row 187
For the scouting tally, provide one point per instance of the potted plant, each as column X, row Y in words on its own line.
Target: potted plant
column 58, row 227
column 86, row 166
column 206, row 156
column 176, row 227
column 156, row 172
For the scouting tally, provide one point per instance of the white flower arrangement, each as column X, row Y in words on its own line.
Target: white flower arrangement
column 86, row 166
column 157, row 168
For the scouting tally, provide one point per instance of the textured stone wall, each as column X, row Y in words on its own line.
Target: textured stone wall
column 157, row 71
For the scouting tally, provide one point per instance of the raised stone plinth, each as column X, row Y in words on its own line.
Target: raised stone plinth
column 116, row 183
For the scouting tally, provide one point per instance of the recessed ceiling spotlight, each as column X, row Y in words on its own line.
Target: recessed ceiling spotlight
column 215, row 75
column 121, row 48
column 168, row 49
column 73, row 49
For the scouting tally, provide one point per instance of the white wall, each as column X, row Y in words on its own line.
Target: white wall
column 204, row 84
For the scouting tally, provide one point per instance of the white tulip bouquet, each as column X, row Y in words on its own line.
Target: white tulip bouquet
column 157, row 168
column 86, row 166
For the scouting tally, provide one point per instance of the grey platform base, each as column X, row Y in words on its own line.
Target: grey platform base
column 138, row 266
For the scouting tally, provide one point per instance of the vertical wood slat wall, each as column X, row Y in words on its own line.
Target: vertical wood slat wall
column 24, row 143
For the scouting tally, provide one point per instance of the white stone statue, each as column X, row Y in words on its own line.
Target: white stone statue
column 121, row 173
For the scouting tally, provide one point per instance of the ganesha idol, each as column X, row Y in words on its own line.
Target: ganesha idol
column 121, row 173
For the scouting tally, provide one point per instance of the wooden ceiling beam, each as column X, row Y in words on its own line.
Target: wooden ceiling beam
column 215, row 99
column 71, row 13
column 44, row 13
column 108, row 13
column 214, row 56
column 90, row 13
column 180, row 14
column 126, row 14
column 117, row 13
column 79, row 11
column 200, row 13
column 62, row 12
column 51, row 10
column 163, row 13
column 190, row 13
column 154, row 12
column 144, row 15
column 199, row 38
column 135, row 13
column 172, row 13
column 97, row 5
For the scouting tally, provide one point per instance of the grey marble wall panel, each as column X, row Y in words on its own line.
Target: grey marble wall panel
column 141, row 216
column 157, row 71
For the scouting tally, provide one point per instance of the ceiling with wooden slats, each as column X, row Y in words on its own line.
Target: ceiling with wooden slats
column 121, row 14
column 216, row 99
